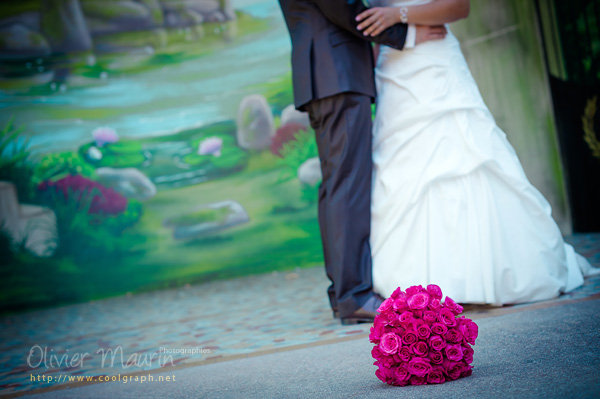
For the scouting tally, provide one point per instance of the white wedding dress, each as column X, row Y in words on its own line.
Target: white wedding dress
column 451, row 204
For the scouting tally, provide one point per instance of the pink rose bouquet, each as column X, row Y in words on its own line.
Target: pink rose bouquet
column 421, row 340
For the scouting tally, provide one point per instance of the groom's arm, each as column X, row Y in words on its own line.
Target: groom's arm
column 343, row 13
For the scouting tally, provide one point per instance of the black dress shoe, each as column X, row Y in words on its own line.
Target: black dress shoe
column 365, row 314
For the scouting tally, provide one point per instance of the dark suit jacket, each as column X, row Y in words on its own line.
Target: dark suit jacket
column 329, row 55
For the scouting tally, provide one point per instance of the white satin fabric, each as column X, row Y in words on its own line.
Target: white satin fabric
column 451, row 204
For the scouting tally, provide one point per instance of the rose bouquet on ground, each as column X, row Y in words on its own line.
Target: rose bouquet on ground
column 421, row 340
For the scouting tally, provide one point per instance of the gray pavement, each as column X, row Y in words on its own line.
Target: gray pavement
column 553, row 352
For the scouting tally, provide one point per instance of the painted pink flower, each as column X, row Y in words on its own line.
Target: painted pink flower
column 389, row 343
column 211, row 146
column 78, row 188
column 104, row 135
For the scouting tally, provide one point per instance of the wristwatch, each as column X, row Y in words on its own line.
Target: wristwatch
column 404, row 15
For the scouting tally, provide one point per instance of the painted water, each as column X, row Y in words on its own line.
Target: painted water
column 156, row 102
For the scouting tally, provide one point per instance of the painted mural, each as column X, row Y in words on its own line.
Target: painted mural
column 148, row 144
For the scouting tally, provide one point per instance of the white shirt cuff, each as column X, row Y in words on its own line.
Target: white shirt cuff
column 411, row 36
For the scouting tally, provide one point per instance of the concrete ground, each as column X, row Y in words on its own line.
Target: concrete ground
column 551, row 352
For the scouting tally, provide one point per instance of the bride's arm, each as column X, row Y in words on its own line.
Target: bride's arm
column 376, row 20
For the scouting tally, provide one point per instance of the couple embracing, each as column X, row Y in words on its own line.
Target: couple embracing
column 431, row 191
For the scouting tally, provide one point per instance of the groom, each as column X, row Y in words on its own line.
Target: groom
column 333, row 81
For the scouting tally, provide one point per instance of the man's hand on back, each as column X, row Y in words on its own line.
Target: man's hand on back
column 427, row 33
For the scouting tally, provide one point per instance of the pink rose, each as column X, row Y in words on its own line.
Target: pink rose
column 376, row 353
column 434, row 304
column 415, row 380
column 467, row 371
column 406, row 317
column 386, row 305
column 437, row 343
column 410, row 291
column 468, row 353
column 401, row 374
column 404, row 354
column 454, row 352
column 400, row 304
column 376, row 332
column 409, row 337
column 419, row 348
column 439, row 329
column 397, row 292
column 469, row 330
column 453, row 306
column 430, row 316
column 454, row 335
column 385, row 375
column 434, row 291
column 423, row 331
column 419, row 300
column 417, row 314
column 454, row 369
column 436, row 375
column 389, row 343
column 436, row 357
column 385, row 361
column 419, row 366
column 393, row 318
column 447, row 318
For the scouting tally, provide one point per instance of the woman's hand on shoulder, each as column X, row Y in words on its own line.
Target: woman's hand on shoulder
column 377, row 19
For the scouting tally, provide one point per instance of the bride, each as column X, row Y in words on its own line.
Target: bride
column 451, row 204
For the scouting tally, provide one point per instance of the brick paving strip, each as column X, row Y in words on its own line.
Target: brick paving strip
column 234, row 319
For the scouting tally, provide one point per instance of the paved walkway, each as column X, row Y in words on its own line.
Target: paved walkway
column 223, row 320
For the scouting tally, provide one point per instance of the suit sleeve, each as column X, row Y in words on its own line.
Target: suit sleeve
column 343, row 14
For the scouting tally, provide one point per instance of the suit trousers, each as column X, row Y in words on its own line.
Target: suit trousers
column 342, row 125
